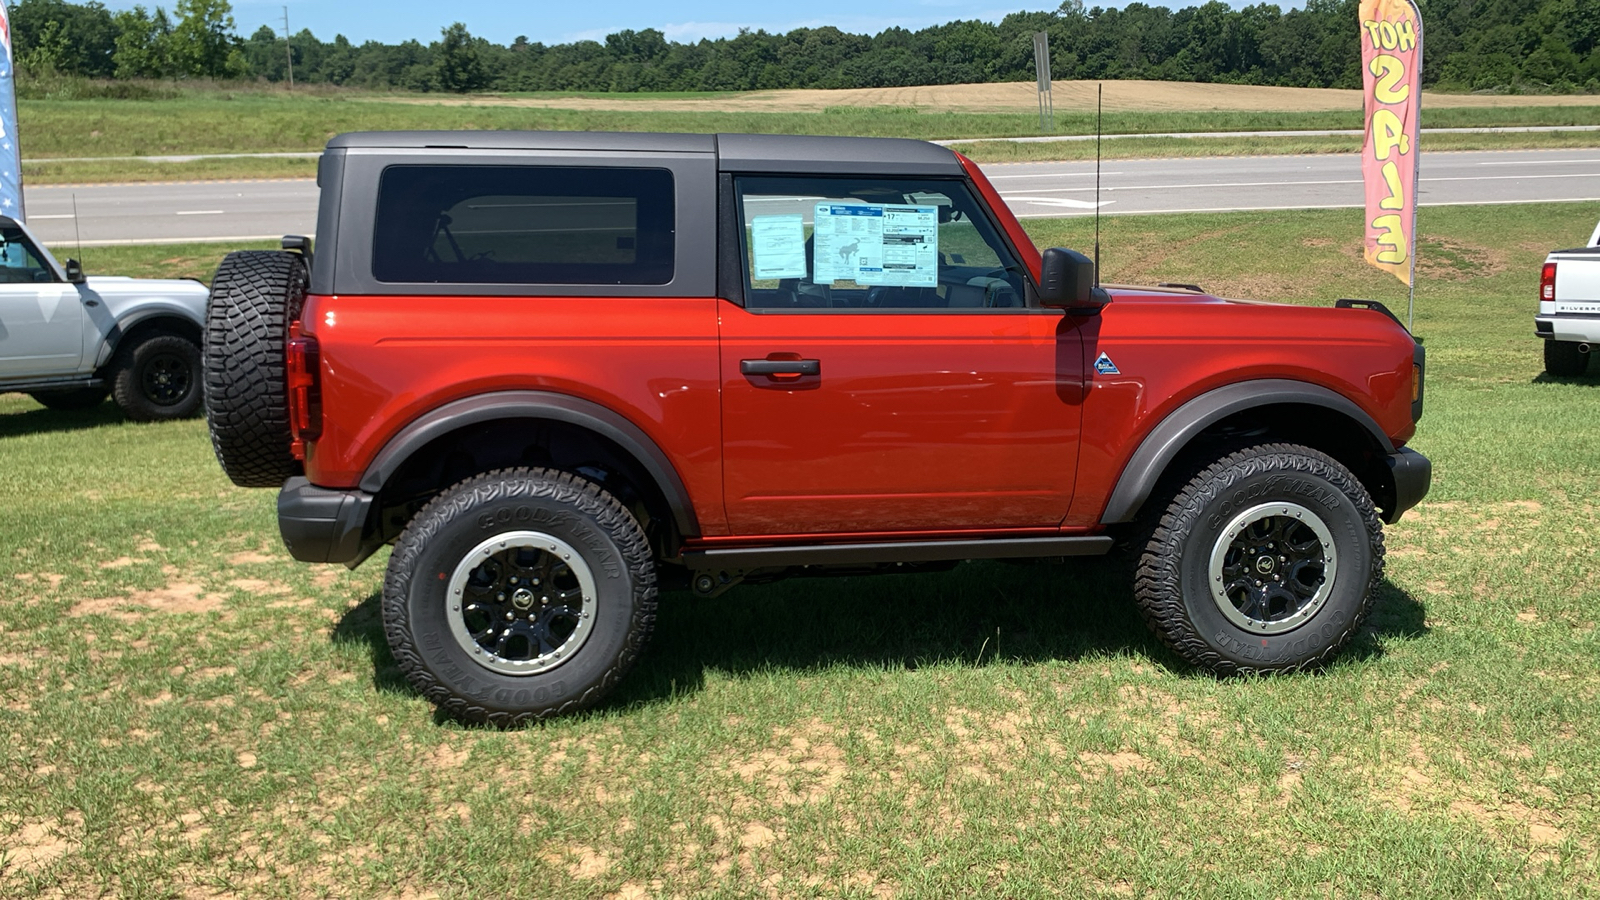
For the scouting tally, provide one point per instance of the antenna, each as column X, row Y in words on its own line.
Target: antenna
column 1099, row 106
column 77, row 231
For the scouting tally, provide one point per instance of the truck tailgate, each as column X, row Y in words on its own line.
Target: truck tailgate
column 1578, row 281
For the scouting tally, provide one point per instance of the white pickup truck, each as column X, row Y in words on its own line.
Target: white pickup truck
column 1569, row 308
column 68, row 340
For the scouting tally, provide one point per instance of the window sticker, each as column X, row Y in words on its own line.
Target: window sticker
column 874, row 244
column 779, row 246
column 911, row 246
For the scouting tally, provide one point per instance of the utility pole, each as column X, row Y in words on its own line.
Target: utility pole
column 288, row 48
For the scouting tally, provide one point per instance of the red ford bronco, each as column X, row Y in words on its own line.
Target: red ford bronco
column 559, row 370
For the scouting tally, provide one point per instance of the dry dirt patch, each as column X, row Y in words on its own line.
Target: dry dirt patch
column 40, row 842
column 804, row 764
column 178, row 597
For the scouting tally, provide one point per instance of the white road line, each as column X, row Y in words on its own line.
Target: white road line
column 55, row 216
column 1539, row 162
column 1234, row 184
column 1050, row 175
column 1227, row 209
column 199, row 212
column 1061, row 201
column 176, row 240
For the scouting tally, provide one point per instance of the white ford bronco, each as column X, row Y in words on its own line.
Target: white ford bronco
column 68, row 340
column 1569, row 308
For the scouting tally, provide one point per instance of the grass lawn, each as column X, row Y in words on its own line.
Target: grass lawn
column 218, row 121
column 184, row 711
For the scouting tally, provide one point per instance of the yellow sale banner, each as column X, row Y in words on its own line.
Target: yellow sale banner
column 1391, row 63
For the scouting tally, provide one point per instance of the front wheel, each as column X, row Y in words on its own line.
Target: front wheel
column 519, row 594
column 1267, row 561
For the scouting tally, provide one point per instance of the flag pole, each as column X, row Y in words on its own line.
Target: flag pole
column 1416, row 179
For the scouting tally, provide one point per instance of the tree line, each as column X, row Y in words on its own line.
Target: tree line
column 1497, row 45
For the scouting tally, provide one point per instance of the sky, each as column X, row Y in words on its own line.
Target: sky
column 393, row 21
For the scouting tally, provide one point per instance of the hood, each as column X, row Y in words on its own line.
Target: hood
column 122, row 285
column 1165, row 293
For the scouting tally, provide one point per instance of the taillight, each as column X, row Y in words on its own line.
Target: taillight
column 305, row 390
column 1547, row 282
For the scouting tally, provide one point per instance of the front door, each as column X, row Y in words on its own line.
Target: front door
column 886, row 373
column 41, row 319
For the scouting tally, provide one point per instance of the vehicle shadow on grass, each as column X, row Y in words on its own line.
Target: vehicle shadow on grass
column 44, row 421
column 1592, row 378
column 976, row 614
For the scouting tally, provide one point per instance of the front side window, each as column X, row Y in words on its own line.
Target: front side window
column 872, row 244
column 524, row 225
column 20, row 263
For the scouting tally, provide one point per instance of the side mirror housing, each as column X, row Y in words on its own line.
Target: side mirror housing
column 74, row 271
column 1066, row 281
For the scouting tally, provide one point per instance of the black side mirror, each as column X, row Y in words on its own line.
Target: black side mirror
column 74, row 271
column 1067, row 282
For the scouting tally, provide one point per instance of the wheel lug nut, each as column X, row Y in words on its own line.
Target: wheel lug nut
column 510, row 616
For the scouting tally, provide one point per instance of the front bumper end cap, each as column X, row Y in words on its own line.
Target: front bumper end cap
column 1412, row 474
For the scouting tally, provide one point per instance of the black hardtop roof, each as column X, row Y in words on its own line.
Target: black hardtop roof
column 775, row 153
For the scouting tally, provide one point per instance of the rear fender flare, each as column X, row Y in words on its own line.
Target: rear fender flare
column 536, row 406
column 1164, row 442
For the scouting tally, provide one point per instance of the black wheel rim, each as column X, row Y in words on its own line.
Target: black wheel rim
column 167, row 379
column 522, row 603
column 1272, row 568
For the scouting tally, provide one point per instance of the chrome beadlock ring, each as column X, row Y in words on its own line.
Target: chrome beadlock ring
column 1272, row 568
column 521, row 603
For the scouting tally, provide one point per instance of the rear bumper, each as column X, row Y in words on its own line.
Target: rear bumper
column 1413, row 475
column 1577, row 329
column 324, row 526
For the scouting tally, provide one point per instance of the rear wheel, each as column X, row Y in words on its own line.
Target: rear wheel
column 254, row 297
column 76, row 399
column 1565, row 358
column 519, row 594
column 158, row 378
column 1266, row 561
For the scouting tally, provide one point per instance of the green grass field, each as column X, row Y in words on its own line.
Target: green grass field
column 258, row 122
column 185, row 712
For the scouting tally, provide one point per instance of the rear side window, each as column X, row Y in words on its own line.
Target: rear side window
column 524, row 225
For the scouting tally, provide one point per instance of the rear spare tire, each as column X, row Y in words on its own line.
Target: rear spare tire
column 254, row 297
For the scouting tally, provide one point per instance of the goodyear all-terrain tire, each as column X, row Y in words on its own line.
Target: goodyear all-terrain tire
column 71, row 400
column 1565, row 359
column 517, row 595
column 254, row 297
column 1266, row 561
column 157, row 378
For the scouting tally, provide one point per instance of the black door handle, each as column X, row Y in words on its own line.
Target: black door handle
column 780, row 367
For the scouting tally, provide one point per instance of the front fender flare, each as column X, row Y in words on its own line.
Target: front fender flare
column 1164, row 442
column 537, row 405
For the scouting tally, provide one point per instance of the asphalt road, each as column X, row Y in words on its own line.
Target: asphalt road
column 253, row 210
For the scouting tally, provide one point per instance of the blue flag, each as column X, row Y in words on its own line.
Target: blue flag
column 10, row 154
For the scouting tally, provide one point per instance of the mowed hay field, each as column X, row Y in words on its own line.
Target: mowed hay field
column 185, row 712
column 1023, row 96
column 83, row 141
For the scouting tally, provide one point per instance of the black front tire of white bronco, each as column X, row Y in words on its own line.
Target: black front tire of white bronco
column 519, row 594
column 1267, row 561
